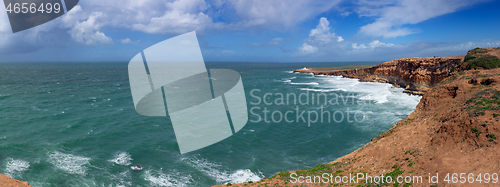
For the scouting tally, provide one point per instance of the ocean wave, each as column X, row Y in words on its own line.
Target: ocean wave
column 222, row 177
column 120, row 179
column 158, row 178
column 322, row 90
column 304, row 83
column 15, row 167
column 379, row 92
column 122, row 158
column 70, row 163
column 241, row 176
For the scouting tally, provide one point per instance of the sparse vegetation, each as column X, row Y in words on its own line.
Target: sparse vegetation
column 482, row 101
column 485, row 61
column 477, row 131
column 491, row 137
column 454, row 68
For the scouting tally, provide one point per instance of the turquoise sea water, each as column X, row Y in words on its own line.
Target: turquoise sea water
column 74, row 124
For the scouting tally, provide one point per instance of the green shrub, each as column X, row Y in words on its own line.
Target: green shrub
column 486, row 61
column 478, row 50
column 469, row 57
column 477, row 131
column 492, row 136
column 454, row 68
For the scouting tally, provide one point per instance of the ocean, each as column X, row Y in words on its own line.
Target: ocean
column 74, row 124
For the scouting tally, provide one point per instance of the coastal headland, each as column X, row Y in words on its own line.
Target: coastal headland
column 449, row 140
column 416, row 75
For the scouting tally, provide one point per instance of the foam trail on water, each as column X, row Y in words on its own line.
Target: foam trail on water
column 122, row 158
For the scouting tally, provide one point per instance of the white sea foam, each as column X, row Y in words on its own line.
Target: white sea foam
column 242, row 175
column 322, row 90
column 69, row 163
column 222, row 177
column 304, row 83
column 122, row 158
column 15, row 167
column 158, row 178
column 380, row 92
column 121, row 179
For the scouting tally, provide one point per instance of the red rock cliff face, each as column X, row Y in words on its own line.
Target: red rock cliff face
column 10, row 182
column 417, row 75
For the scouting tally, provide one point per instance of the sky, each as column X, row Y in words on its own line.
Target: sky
column 260, row 30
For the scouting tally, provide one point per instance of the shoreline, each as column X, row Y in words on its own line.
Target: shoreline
column 412, row 74
column 453, row 130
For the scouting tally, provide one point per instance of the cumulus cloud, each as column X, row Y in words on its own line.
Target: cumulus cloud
column 321, row 39
column 179, row 17
column 86, row 31
column 391, row 16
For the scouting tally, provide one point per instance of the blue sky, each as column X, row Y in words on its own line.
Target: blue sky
column 260, row 30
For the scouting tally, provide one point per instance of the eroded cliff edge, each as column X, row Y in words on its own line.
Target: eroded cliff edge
column 6, row 181
column 417, row 75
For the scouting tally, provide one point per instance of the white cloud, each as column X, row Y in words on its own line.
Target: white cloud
column 89, row 21
column 128, row 41
column 307, row 49
column 372, row 45
column 278, row 13
column 179, row 17
column 320, row 39
column 85, row 27
column 392, row 16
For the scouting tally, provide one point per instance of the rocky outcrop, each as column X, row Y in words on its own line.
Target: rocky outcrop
column 417, row 75
column 6, row 181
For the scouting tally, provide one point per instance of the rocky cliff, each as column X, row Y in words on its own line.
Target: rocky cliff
column 417, row 75
column 6, row 181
